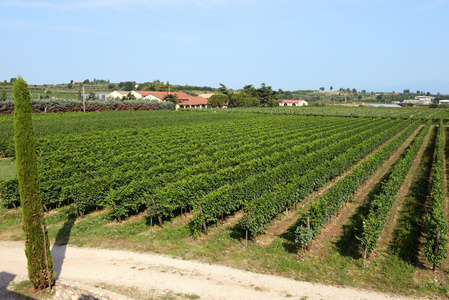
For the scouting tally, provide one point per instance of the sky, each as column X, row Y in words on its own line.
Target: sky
column 376, row 45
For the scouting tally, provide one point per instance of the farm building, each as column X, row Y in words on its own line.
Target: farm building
column 117, row 94
column 186, row 101
column 159, row 96
column 193, row 102
column 445, row 101
column 293, row 103
column 100, row 96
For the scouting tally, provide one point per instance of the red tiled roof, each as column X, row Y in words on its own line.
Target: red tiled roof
column 194, row 101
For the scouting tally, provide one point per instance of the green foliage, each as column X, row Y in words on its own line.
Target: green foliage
column 329, row 203
column 37, row 250
column 129, row 96
column 218, row 100
column 325, row 164
column 385, row 198
column 265, row 94
column 435, row 223
column 173, row 98
column 127, row 85
column 243, row 100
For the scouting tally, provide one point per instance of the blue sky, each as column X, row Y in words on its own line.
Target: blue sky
column 374, row 45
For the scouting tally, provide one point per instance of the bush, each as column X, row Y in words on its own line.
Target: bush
column 68, row 105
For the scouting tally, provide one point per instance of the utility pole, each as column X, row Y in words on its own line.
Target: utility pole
column 84, row 101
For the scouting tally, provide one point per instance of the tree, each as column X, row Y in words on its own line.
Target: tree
column 162, row 87
column 129, row 96
column 218, row 100
column 86, row 81
column 267, row 96
column 171, row 98
column 79, row 95
column 331, row 88
column 127, row 85
column 243, row 100
column 37, row 246
column 322, row 88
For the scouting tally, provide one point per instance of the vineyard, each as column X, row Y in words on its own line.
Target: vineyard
column 267, row 184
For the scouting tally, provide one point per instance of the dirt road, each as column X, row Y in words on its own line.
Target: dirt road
column 146, row 272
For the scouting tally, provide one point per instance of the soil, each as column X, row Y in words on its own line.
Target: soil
column 98, row 272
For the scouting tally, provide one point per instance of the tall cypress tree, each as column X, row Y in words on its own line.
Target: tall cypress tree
column 37, row 248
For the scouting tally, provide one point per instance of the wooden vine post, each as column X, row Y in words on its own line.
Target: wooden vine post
column 202, row 216
column 436, row 248
column 308, row 229
column 157, row 212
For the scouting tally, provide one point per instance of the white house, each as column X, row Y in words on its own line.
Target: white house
column 424, row 99
column 117, row 94
column 443, row 101
column 293, row 103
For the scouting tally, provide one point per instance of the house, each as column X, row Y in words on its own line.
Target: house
column 424, row 99
column 193, row 102
column 443, row 101
column 159, row 96
column 117, row 94
column 293, row 103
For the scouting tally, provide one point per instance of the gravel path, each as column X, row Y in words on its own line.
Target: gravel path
column 149, row 272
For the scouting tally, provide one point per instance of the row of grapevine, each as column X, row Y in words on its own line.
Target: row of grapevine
column 230, row 197
column 311, row 222
column 435, row 223
column 134, row 192
column 87, row 169
column 414, row 113
column 379, row 207
column 185, row 192
column 260, row 211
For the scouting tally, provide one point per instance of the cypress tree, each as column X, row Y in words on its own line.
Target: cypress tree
column 37, row 247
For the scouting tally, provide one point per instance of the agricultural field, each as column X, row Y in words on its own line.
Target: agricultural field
column 350, row 200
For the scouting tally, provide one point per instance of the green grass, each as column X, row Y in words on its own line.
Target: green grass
column 7, row 168
column 225, row 245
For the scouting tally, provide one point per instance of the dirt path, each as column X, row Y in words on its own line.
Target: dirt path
column 159, row 274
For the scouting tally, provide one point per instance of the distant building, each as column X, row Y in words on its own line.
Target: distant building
column 293, row 103
column 424, row 99
column 443, row 101
column 99, row 96
column 185, row 100
column 117, row 94
column 193, row 102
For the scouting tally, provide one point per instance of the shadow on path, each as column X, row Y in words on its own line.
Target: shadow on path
column 5, row 279
column 60, row 246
